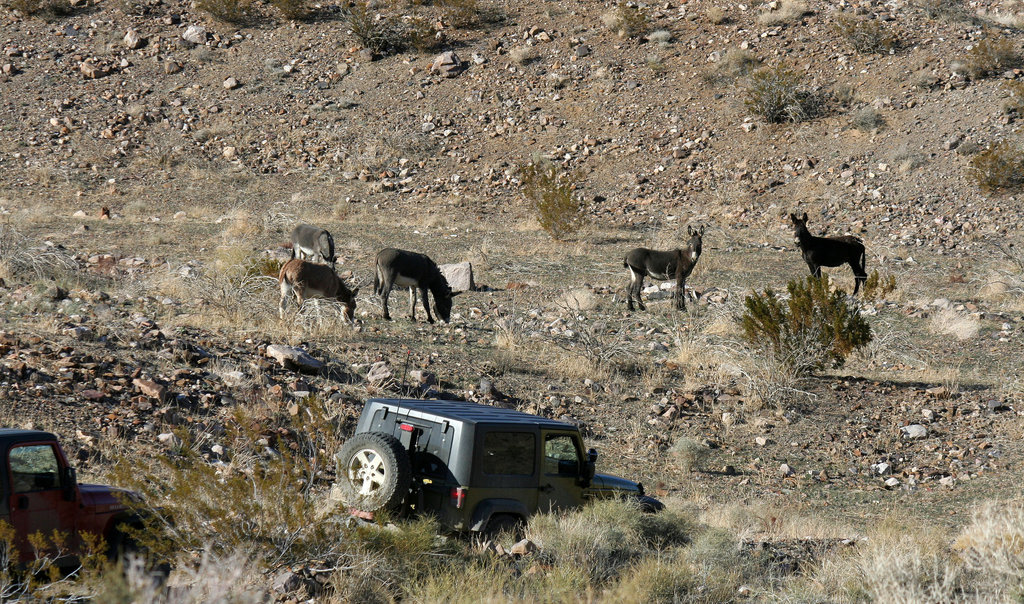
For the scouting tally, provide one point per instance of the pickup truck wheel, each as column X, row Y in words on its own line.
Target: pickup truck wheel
column 373, row 472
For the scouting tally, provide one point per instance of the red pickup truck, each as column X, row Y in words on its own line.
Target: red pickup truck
column 40, row 493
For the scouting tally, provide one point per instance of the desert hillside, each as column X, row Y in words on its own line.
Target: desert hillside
column 156, row 154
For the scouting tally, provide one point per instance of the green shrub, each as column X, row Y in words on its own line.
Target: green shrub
column 778, row 94
column 815, row 328
column 868, row 119
column 992, row 56
column 229, row 11
column 877, row 287
column 551, row 192
column 1000, row 168
column 865, row 35
column 383, row 36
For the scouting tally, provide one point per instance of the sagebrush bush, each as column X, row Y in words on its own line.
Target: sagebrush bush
column 229, row 11
column 778, row 94
column 423, row 34
column 865, row 35
column 47, row 8
column 992, row 56
column 551, row 192
column 815, row 328
column 383, row 36
column 460, row 13
column 867, row 119
column 627, row 21
column 294, row 10
column 877, row 287
column 1000, row 168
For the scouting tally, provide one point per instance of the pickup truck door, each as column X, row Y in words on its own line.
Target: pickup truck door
column 37, row 500
column 561, row 472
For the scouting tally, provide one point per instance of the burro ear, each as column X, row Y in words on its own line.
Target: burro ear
column 701, row 231
column 452, row 294
column 689, row 230
column 805, row 217
column 793, row 217
column 355, row 292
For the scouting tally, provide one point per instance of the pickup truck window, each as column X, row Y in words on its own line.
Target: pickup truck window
column 509, row 453
column 34, row 468
column 560, row 455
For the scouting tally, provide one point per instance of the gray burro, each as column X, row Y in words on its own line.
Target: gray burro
column 473, row 467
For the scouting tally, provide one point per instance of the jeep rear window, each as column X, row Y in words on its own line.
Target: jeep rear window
column 509, row 453
column 34, row 468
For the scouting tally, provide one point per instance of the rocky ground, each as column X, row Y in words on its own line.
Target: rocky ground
column 151, row 158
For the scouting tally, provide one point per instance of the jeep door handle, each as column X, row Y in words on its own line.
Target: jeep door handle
column 546, row 488
column 23, row 503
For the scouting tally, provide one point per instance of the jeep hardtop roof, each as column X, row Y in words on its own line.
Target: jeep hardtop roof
column 470, row 413
column 15, row 435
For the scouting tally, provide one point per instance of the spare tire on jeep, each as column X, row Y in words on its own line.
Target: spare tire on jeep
column 373, row 472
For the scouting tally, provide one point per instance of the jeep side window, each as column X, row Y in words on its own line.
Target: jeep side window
column 560, row 455
column 509, row 453
column 34, row 468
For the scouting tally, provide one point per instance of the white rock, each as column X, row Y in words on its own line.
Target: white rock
column 230, row 83
column 195, row 34
column 132, row 39
column 882, row 468
column 947, row 481
column 294, row 358
column 928, row 415
column 892, row 482
column 459, row 276
column 785, row 470
column 915, row 431
column 379, row 372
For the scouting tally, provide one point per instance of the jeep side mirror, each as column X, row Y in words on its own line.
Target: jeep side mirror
column 69, row 482
column 592, row 455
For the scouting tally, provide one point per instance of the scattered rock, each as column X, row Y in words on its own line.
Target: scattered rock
column 91, row 71
column 150, row 388
column 132, row 39
column 892, row 482
column 295, row 359
column 459, row 276
column 229, row 152
column 379, row 373
column 915, row 431
column 171, row 67
column 230, row 83
column 928, row 415
column 196, row 34
column 523, row 548
column 785, row 470
column 286, row 582
column 761, row 441
column 447, row 64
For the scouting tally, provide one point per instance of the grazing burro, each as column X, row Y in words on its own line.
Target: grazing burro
column 830, row 251
column 309, row 280
column 672, row 264
column 415, row 271
column 311, row 242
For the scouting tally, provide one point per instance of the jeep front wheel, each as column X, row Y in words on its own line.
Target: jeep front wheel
column 373, row 472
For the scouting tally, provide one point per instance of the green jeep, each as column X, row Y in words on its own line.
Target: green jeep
column 474, row 467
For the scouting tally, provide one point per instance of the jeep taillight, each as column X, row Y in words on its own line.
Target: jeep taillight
column 458, row 496
column 405, row 427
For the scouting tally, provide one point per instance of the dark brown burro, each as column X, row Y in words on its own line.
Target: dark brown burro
column 673, row 264
column 310, row 280
column 830, row 251
column 417, row 272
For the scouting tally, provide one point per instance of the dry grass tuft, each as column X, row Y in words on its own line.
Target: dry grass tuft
column 785, row 13
column 948, row 321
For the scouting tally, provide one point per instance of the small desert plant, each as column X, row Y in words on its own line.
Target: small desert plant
column 951, row 10
column 1000, row 168
column 816, row 327
column 868, row 119
column 689, row 454
column 735, row 63
column 1015, row 103
column 229, row 11
column 460, row 13
column 423, row 34
column 717, row 16
column 778, row 94
column 877, row 287
column 992, row 56
column 865, row 35
column 787, row 11
column 551, row 192
column 950, row 322
column 293, row 10
column 523, row 54
column 627, row 21
column 384, row 36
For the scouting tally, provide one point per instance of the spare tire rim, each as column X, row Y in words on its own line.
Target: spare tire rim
column 366, row 470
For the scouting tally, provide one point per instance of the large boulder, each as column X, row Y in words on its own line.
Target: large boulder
column 459, row 276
